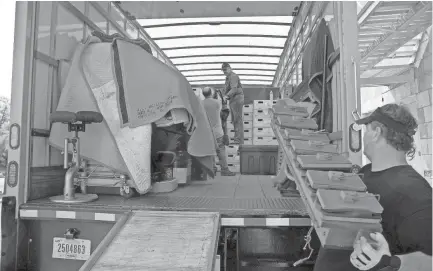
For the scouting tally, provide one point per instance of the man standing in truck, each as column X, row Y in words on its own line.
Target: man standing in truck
column 234, row 93
column 406, row 243
column 213, row 108
column 224, row 114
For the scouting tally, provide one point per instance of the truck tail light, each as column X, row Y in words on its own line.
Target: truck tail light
column 355, row 143
column 12, row 174
column 14, row 136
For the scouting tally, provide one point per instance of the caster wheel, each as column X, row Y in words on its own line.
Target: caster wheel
column 127, row 192
column 355, row 169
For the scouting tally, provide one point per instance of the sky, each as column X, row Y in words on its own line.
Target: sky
column 6, row 47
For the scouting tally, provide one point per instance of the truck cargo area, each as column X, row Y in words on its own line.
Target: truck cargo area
column 113, row 163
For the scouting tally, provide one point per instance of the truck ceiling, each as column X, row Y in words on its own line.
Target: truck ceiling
column 199, row 36
column 252, row 36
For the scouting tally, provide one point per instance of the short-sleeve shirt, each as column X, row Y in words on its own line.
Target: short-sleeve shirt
column 233, row 81
column 406, row 220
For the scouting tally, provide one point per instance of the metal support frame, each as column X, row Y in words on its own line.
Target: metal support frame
column 21, row 96
column 347, row 92
column 14, row 241
column 231, row 62
column 107, row 16
column 221, row 46
column 292, row 52
column 220, row 74
column 389, row 80
column 147, row 38
column 224, row 55
column 220, row 36
column 216, row 85
column 389, row 67
column 246, row 80
column 216, row 23
column 47, row 59
column 418, row 11
column 77, row 13
column 366, row 11
column 235, row 69
column 425, row 38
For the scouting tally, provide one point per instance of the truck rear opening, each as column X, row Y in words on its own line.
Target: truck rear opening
column 110, row 146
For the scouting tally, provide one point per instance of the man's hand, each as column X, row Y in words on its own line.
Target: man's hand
column 364, row 256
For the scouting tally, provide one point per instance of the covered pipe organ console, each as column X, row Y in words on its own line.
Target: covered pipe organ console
column 340, row 207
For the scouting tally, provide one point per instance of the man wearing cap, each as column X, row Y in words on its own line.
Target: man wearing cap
column 213, row 108
column 234, row 93
column 406, row 242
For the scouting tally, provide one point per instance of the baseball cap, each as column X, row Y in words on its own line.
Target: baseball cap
column 386, row 120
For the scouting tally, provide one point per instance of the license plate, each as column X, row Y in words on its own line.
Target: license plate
column 73, row 249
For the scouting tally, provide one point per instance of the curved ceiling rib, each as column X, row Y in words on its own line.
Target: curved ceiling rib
column 222, row 46
column 219, row 36
column 219, row 74
column 217, row 23
column 212, row 55
column 237, row 69
column 232, row 62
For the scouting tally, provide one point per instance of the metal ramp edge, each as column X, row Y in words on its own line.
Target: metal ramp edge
column 164, row 240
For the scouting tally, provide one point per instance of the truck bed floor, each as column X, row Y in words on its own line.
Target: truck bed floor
column 241, row 195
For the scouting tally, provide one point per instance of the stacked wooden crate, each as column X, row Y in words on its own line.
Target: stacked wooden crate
column 262, row 131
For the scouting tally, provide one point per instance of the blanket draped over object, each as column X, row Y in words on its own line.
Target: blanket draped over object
column 91, row 86
column 148, row 89
column 312, row 73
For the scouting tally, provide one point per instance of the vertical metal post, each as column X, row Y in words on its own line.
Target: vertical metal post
column 22, row 73
column 349, row 99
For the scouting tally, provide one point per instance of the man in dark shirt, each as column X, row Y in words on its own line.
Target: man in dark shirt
column 234, row 93
column 404, row 194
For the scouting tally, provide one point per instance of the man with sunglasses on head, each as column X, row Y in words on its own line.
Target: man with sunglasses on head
column 234, row 93
column 406, row 241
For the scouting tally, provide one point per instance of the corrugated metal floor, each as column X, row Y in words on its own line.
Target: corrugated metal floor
column 246, row 195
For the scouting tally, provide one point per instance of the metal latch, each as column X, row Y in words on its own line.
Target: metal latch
column 71, row 233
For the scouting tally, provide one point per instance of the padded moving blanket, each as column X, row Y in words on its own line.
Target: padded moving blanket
column 148, row 89
column 312, row 74
column 90, row 86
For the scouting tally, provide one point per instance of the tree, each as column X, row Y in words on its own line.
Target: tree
column 5, row 106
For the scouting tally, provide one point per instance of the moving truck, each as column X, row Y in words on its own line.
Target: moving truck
column 221, row 223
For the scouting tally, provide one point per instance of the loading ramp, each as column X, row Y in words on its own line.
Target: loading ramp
column 138, row 241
